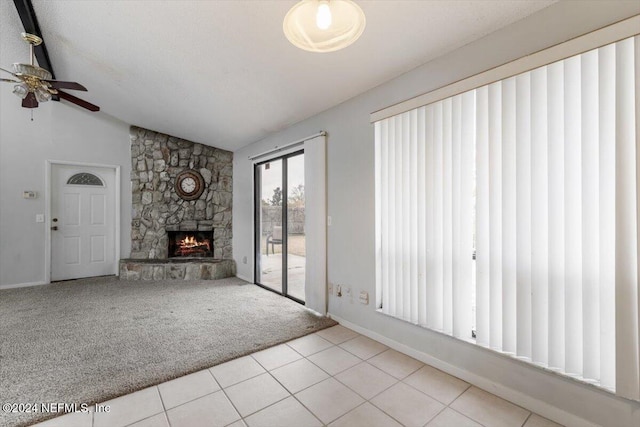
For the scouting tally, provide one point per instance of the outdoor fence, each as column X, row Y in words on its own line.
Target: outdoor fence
column 272, row 215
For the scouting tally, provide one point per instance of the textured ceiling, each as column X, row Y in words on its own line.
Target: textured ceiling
column 222, row 72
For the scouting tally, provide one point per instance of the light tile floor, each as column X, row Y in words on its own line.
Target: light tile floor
column 334, row 377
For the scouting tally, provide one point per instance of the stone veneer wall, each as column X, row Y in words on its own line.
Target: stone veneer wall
column 156, row 160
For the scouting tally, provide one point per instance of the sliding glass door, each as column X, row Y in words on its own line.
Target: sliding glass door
column 269, row 221
column 279, row 225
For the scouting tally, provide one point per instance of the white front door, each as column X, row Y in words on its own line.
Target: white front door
column 82, row 222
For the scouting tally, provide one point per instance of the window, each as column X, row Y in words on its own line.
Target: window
column 85, row 178
column 512, row 210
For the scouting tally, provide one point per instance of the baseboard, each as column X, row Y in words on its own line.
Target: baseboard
column 22, row 285
column 532, row 404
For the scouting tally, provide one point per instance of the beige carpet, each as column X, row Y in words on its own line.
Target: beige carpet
column 87, row 341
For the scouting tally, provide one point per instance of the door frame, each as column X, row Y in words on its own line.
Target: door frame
column 48, row 195
column 257, row 238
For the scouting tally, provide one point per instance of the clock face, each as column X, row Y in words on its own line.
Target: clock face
column 189, row 185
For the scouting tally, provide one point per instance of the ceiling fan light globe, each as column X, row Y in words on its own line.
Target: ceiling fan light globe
column 42, row 95
column 21, row 90
column 301, row 25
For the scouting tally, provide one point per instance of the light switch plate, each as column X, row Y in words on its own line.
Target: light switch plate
column 364, row 297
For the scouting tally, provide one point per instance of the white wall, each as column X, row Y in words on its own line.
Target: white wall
column 351, row 260
column 58, row 131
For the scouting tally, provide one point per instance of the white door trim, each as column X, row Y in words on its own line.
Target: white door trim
column 47, row 211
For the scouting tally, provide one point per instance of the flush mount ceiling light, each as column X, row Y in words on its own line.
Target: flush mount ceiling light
column 324, row 25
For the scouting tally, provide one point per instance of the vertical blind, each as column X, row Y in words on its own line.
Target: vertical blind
column 524, row 194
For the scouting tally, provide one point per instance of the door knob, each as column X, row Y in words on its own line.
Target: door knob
column 54, row 228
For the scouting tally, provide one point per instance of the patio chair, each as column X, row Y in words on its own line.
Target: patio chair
column 275, row 238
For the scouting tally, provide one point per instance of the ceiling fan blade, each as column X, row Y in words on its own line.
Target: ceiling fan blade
column 7, row 71
column 9, row 80
column 30, row 101
column 59, row 84
column 82, row 103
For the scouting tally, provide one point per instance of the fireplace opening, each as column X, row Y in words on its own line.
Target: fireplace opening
column 187, row 244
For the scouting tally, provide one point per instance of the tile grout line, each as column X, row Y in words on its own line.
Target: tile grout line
column 236, row 383
column 349, row 388
column 268, row 406
column 319, row 367
column 433, row 397
column 309, row 386
column 262, row 373
column 166, row 418
column 164, row 407
column 527, row 419
column 294, row 396
column 152, row 415
column 268, row 372
column 232, row 404
column 264, row 367
column 401, row 380
column 384, row 412
column 499, row 398
column 445, row 406
column 305, row 336
column 380, row 409
column 370, row 357
column 182, row 404
column 436, row 415
column 310, row 361
column 227, row 396
column 375, row 367
column 458, row 397
column 344, row 415
column 377, row 394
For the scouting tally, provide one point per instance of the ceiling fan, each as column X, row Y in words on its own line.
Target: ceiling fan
column 34, row 84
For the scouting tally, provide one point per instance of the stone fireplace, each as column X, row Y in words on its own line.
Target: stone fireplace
column 171, row 237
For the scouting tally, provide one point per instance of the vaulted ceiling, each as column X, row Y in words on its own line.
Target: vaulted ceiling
column 222, row 72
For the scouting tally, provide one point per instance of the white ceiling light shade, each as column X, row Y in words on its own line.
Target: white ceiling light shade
column 324, row 25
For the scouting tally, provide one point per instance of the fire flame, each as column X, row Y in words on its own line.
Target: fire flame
column 190, row 246
column 191, row 242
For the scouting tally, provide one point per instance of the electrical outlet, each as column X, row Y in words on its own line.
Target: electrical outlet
column 338, row 290
column 364, row 297
column 347, row 292
column 329, row 221
column 39, row 217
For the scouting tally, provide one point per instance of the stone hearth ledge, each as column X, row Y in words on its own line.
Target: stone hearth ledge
column 177, row 269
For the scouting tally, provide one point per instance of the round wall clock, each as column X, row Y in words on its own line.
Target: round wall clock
column 189, row 184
